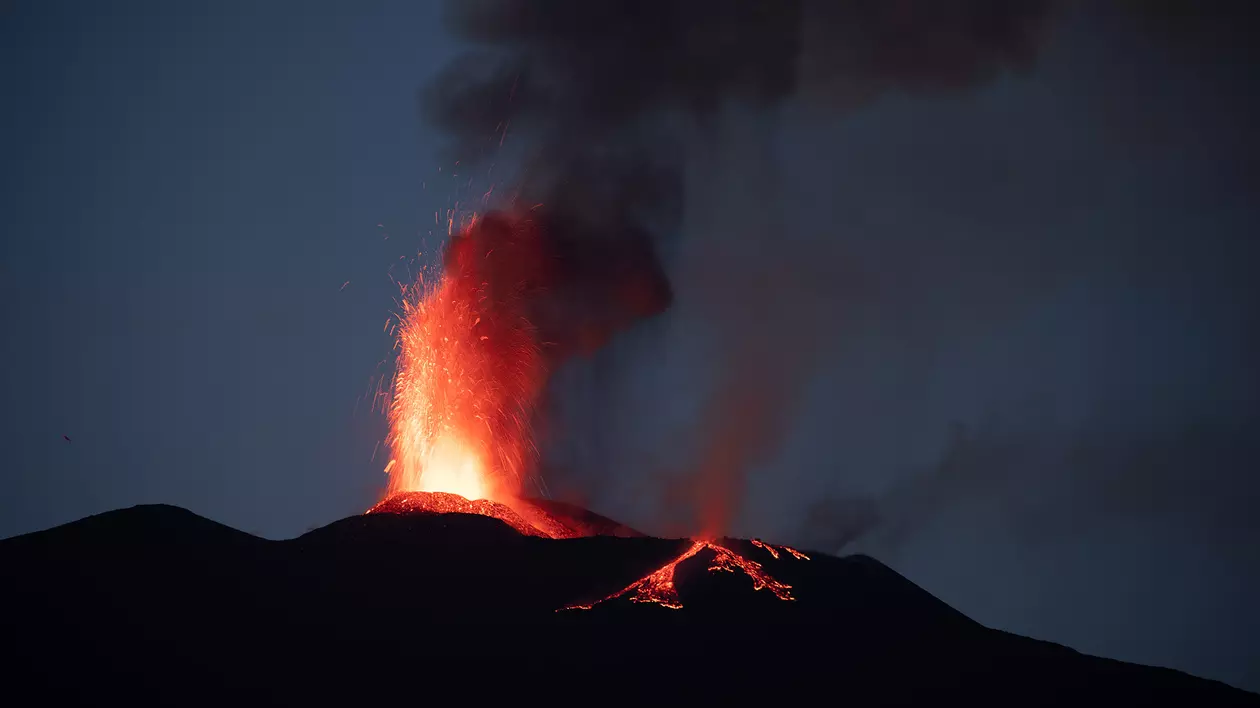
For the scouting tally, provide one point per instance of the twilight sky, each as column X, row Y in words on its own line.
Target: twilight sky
column 1005, row 337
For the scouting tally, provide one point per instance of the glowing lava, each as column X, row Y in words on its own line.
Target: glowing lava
column 436, row 404
column 446, row 503
column 774, row 550
column 658, row 586
column 468, row 374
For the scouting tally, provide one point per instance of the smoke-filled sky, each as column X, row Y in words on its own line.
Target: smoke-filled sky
column 968, row 286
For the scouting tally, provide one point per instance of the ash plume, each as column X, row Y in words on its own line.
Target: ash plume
column 613, row 105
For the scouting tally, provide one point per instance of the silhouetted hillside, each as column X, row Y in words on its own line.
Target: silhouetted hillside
column 154, row 598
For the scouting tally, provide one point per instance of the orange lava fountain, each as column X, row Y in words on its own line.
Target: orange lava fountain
column 469, row 372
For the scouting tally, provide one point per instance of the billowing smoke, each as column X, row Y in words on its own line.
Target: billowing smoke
column 575, row 287
column 618, row 110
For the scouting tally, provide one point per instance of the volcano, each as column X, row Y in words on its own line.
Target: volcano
column 153, row 600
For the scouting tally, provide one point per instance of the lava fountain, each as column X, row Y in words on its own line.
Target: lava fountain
column 517, row 293
column 469, row 369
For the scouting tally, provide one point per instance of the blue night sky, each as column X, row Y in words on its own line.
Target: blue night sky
column 1021, row 320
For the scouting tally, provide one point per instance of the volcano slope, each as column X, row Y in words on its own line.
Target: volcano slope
column 154, row 599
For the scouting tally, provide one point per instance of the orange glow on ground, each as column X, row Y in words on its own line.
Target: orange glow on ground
column 526, row 518
column 446, row 503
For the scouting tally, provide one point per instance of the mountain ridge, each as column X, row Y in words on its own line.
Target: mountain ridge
column 161, row 587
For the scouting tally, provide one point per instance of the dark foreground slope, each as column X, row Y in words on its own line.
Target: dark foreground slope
column 155, row 599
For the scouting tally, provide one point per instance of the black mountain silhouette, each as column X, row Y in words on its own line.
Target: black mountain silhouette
column 155, row 601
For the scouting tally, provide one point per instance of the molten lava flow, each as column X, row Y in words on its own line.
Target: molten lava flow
column 728, row 561
column 658, row 586
column 774, row 551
